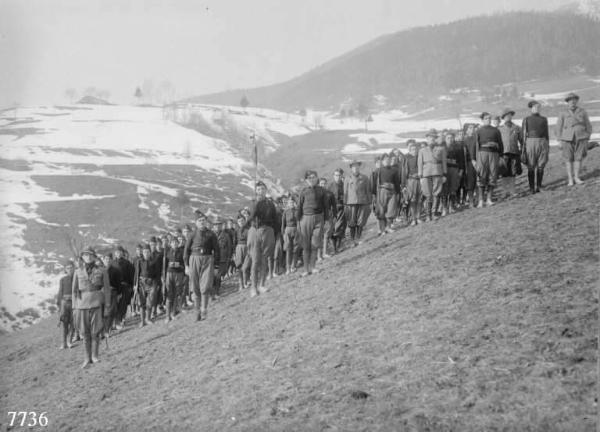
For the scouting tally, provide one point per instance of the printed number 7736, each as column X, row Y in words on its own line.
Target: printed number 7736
column 34, row 419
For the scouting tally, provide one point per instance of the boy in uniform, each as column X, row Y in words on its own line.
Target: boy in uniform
column 65, row 303
column 411, row 183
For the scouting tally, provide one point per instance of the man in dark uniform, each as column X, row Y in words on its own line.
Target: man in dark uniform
column 470, row 174
column 261, row 243
column 512, row 140
column 329, row 223
column 311, row 213
column 147, row 276
column 386, row 190
column 537, row 147
column 65, row 303
column 127, row 272
column 336, row 187
column 573, row 129
column 115, row 278
column 200, row 255
column 488, row 148
column 174, row 279
column 456, row 165
column 225, row 251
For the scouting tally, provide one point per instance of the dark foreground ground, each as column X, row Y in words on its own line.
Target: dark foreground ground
column 485, row 320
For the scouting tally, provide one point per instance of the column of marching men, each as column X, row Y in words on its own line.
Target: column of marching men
column 451, row 171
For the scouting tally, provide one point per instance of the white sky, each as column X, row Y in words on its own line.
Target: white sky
column 200, row 46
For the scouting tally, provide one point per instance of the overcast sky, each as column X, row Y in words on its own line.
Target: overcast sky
column 200, row 46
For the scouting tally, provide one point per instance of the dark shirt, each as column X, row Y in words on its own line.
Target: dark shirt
column 388, row 178
column 225, row 246
column 337, row 189
column 535, row 126
column 127, row 270
column 289, row 219
column 313, row 200
column 242, row 234
column 456, row 156
column 263, row 213
column 114, row 277
column 409, row 168
column 145, row 269
column 201, row 242
column 64, row 288
column 489, row 139
column 471, row 145
column 375, row 180
column 174, row 260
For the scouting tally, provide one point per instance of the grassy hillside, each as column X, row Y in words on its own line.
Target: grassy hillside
column 477, row 52
column 484, row 320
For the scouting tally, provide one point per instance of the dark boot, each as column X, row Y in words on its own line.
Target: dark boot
column 359, row 230
column 531, row 179
column 436, row 202
column 307, row 261
column 540, row 178
column 429, row 209
column 352, row 233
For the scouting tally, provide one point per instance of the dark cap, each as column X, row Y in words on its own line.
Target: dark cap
column 120, row 248
column 88, row 250
column 152, row 240
column 571, row 96
column 355, row 162
column 431, row 133
column 532, row 103
column 146, row 246
column 484, row 114
column 506, row 112
column 339, row 171
column 309, row 173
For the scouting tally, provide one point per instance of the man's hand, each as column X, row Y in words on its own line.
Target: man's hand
column 444, row 179
column 474, row 164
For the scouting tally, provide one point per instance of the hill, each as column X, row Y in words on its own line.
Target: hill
column 101, row 174
column 404, row 67
column 484, row 320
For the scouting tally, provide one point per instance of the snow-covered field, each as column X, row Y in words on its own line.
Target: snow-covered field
column 86, row 140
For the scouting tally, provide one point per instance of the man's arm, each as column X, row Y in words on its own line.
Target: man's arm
column 588, row 124
column 187, row 249
column 107, row 292
column 299, row 209
column 216, row 249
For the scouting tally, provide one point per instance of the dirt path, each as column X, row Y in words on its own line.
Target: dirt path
column 485, row 320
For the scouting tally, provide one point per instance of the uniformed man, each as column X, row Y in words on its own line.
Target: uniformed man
column 311, row 214
column 200, row 254
column 289, row 228
column 65, row 303
column 573, row 129
column 241, row 252
column 357, row 199
column 512, row 141
column 225, row 252
column 174, row 278
column 470, row 174
column 261, row 240
column 411, row 183
column 329, row 222
column 537, row 147
column 90, row 292
column 456, row 166
column 147, row 277
column 386, row 191
column 432, row 170
column 127, row 271
column 488, row 148
column 115, row 278
column 336, row 187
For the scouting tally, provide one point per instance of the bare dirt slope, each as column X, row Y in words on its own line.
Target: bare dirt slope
column 484, row 320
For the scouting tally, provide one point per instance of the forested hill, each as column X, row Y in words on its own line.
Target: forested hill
column 474, row 52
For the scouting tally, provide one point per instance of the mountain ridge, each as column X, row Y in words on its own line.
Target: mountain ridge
column 394, row 65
